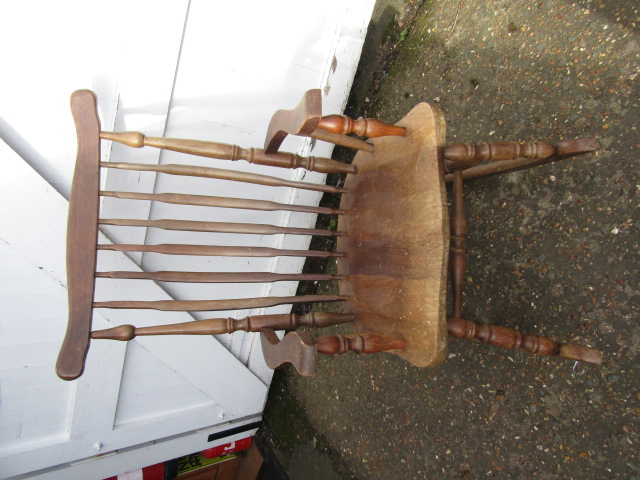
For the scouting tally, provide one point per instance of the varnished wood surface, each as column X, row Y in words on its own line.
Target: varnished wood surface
column 398, row 239
column 512, row 339
column 363, row 127
column 216, row 305
column 221, row 202
column 223, row 151
column 358, row 343
column 457, row 256
column 564, row 149
column 82, row 234
column 221, row 174
column 464, row 155
column 303, row 120
column 218, row 326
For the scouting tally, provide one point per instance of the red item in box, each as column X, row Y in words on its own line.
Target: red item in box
column 227, row 448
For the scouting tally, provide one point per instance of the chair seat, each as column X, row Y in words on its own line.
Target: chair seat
column 397, row 240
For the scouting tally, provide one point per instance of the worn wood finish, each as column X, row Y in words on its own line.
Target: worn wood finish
column 221, row 202
column 303, row 120
column 465, row 155
column 217, row 305
column 221, row 174
column 508, row 338
column 457, row 257
column 398, row 238
column 219, row 277
column 220, row 227
column 392, row 240
column 217, row 251
column 363, row 127
column 563, row 149
column 358, row 343
column 82, row 235
column 223, row 151
column 218, row 326
column 297, row 348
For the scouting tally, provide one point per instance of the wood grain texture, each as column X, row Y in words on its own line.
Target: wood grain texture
column 82, row 235
column 398, row 238
column 218, row 326
column 512, row 339
column 220, row 202
column 223, row 151
column 222, row 174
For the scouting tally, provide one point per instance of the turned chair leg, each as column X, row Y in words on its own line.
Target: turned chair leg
column 494, row 335
column 512, row 339
column 509, row 156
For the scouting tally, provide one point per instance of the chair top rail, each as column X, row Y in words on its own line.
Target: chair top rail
column 82, row 236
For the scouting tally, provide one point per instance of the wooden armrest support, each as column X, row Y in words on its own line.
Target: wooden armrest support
column 297, row 348
column 304, row 120
column 82, row 235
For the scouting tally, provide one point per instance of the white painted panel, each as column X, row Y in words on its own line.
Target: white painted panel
column 54, row 48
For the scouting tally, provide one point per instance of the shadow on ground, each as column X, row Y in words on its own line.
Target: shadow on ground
column 552, row 250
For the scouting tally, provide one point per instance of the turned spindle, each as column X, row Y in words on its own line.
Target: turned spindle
column 223, row 151
column 457, row 258
column 363, row 127
column 512, row 339
column 358, row 343
column 222, row 174
column 218, row 326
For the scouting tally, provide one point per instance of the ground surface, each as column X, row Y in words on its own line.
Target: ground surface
column 553, row 250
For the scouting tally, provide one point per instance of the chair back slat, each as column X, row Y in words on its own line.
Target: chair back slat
column 217, row 305
column 221, row 174
column 221, row 202
column 217, row 251
column 218, row 227
column 219, row 277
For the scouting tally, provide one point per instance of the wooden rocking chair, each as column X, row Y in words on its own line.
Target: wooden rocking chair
column 392, row 237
